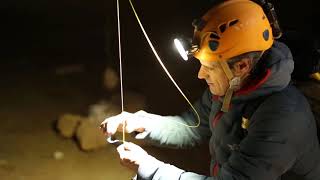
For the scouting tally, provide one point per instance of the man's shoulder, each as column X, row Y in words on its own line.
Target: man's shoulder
column 282, row 110
column 289, row 99
column 285, row 114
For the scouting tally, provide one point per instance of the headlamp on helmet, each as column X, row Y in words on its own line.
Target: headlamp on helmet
column 185, row 48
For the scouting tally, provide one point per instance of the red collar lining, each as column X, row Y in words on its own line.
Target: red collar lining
column 255, row 84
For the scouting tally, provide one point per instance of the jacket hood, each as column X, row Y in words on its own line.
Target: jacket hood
column 279, row 63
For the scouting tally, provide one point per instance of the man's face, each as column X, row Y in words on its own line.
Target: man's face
column 215, row 77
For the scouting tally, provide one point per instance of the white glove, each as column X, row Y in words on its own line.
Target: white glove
column 134, row 122
column 132, row 155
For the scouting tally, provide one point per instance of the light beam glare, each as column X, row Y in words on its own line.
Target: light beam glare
column 180, row 49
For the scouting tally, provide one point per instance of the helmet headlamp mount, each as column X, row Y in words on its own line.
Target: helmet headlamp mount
column 185, row 48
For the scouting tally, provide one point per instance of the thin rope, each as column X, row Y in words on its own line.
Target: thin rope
column 120, row 67
column 165, row 69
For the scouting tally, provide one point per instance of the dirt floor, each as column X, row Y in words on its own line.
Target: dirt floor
column 33, row 98
column 31, row 102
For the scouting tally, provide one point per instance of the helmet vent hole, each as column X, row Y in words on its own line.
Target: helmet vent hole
column 233, row 22
column 223, row 27
column 214, row 35
column 213, row 45
column 265, row 35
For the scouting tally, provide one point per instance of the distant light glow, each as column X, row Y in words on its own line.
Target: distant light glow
column 181, row 50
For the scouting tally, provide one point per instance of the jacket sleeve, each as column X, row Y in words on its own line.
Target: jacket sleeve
column 170, row 131
column 156, row 170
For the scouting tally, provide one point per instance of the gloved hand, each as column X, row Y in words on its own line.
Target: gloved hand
column 132, row 156
column 134, row 122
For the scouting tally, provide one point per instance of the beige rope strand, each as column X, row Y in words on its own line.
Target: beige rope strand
column 120, row 67
column 165, row 69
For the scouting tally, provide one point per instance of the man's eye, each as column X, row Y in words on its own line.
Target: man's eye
column 208, row 68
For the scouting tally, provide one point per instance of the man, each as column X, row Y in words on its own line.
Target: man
column 257, row 124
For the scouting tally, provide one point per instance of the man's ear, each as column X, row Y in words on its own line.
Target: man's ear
column 242, row 68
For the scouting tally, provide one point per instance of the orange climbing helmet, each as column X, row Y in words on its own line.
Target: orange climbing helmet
column 232, row 28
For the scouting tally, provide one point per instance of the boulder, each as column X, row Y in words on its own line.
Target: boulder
column 90, row 136
column 67, row 124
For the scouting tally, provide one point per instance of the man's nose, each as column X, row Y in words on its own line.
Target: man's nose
column 202, row 74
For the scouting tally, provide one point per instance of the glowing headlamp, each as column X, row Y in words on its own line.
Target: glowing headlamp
column 185, row 48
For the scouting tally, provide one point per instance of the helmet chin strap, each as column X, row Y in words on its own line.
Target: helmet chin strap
column 234, row 84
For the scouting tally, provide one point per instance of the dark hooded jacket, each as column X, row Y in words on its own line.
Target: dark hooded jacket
column 281, row 134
